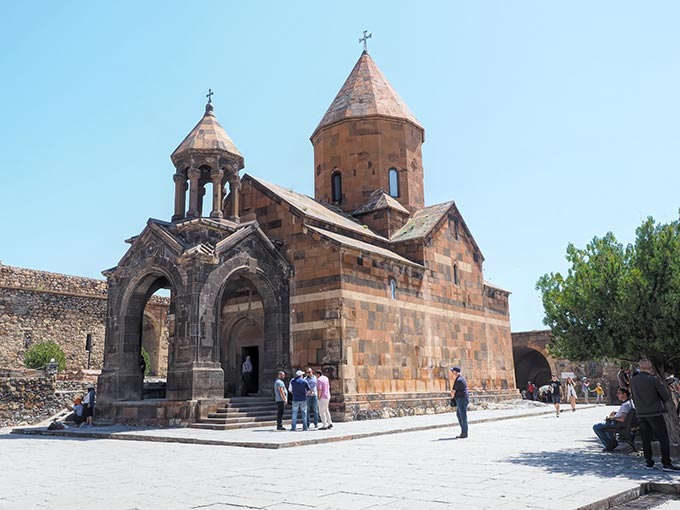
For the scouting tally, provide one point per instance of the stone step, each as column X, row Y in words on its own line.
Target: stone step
column 241, row 419
column 235, row 409
column 252, row 403
column 254, row 398
column 232, row 426
column 234, row 413
column 242, row 412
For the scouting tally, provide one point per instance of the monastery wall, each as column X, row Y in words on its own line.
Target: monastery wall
column 37, row 306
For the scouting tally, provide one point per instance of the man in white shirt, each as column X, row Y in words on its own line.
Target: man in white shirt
column 604, row 430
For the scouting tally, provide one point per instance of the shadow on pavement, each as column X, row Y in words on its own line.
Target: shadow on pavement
column 591, row 460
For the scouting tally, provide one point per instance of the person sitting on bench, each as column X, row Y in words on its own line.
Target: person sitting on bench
column 606, row 430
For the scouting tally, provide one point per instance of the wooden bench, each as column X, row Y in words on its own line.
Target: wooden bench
column 626, row 431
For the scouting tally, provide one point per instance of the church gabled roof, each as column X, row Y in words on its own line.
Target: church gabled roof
column 378, row 200
column 362, row 246
column 310, row 208
column 207, row 135
column 365, row 93
column 424, row 222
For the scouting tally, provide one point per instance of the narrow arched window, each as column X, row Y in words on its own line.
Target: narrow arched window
column 393, row 177
column 455, row 274
column 393, row 288
column 336, row 187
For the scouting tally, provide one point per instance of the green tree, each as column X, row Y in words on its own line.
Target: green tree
column 619, row 302
column 40, row 354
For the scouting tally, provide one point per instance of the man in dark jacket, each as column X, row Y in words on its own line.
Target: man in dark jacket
column 460, row 394
column 650, row 396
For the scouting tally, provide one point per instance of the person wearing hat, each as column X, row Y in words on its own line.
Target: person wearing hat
column 88, row 403
column 299, row 388
column 460, row 394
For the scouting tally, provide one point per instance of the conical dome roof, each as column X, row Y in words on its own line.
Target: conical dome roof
column 207, row 136
column 366, row 93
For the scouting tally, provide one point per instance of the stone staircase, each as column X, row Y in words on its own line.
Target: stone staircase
column 242, row 412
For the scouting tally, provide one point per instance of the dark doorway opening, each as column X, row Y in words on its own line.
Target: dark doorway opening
column 530, row 365
column 251, row 383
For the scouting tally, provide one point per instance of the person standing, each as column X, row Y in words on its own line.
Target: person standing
column 585, row 389
column 460, row 395
column 88, row 403
column 530, row 390
column 623, row 378
column 281, row 396
column 571, row 393
column 650, row 396
column 246, row 375
column 599, row 395
column 299, row 387
column 323, row 388
column 312, row 398
column 556, row 393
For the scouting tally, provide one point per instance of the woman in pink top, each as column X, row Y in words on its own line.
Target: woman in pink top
column 323, row 388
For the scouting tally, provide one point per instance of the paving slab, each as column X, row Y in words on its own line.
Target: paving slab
column 536, row 462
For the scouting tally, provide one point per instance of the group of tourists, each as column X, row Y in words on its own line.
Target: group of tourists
column 645, row 394
column 310, row 393
column 548, row 393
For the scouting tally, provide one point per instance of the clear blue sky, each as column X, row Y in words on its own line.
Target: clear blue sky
column 546, row 122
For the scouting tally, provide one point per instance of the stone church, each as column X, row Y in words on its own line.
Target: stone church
column 381, row 292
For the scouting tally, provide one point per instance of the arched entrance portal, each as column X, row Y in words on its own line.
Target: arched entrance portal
column 242, row 335
column 144, row 326
column 530, row 365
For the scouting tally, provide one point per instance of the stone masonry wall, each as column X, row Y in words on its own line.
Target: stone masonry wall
column 28, row 400
column 37, row 306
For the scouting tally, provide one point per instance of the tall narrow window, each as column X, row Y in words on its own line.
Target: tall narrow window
column 455, row 274
column 393, row 288
column 336, row 187
column 393, row 176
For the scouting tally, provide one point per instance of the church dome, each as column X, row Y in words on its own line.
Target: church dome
column 207, row 136
column 366, row 93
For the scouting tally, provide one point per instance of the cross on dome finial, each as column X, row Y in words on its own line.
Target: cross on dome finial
column 209, row 106
column 365, row 38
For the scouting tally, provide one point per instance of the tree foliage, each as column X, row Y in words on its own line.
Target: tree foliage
column 618, row 302
column 40, row 354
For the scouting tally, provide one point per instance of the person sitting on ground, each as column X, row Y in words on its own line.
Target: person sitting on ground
column 78, row 414
column 605, row 430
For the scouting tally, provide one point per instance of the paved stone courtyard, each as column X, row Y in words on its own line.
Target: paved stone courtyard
column 535, row 462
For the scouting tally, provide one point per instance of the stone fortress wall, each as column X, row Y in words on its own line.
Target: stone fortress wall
column 36, row 306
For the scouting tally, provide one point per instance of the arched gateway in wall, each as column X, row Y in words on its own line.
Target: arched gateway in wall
column 229, row 294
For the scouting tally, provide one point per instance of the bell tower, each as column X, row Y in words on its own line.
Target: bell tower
column 368, row 140
column 206, row 156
